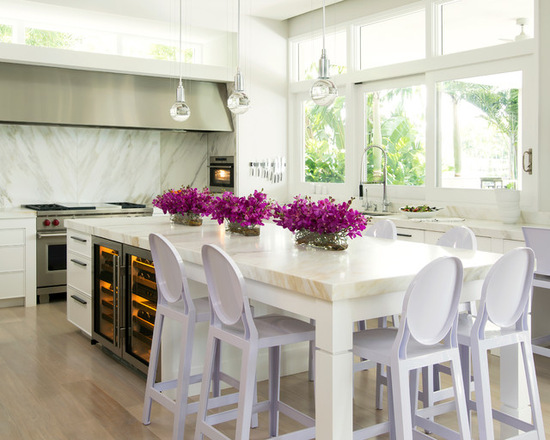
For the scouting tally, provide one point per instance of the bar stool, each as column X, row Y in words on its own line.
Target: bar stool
column 538, row 239
column 174, row 302
column 429, row 316
column 503, row 320
column 232, row 323
column 384, row 228
column 459, row 237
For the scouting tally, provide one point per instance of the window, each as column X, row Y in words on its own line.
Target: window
column 471, row 24
column 478, row 129
column 6, row 32
column 309, row 52
column 324, row 141
column 395, row 120
column 393, row 40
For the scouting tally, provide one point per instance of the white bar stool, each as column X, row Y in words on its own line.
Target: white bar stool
column 538, row 239
column 429, row 316
column 174, row 302
column 232, row 323
column 503, row 320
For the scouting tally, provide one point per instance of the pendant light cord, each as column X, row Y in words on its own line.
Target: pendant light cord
column 179, row 53
column 238, row 35
column 323, row 26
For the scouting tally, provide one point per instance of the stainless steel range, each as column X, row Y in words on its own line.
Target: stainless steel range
column 51, row 242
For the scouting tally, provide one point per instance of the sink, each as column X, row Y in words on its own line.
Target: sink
column 378, row 213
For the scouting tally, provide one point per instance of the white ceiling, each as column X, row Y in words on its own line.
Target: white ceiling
column 163, row 9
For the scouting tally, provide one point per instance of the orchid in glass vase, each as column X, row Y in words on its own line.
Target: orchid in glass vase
column 186, row 205
column 243, row 215
column 325, row 223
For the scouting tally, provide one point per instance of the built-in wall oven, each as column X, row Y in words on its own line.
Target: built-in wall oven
column 221, row 173
column 51, row 238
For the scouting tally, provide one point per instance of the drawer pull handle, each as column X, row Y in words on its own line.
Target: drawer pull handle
column 80, row 263
column 78, row 299
column 404, row 235
column 82, row 240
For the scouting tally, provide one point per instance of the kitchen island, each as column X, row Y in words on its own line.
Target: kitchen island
column 334, row 288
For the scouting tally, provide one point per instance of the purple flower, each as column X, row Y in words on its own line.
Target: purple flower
column 249, row 210
column 324, row 217
column 185, row 200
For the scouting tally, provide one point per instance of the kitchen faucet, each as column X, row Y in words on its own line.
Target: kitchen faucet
column 364, row 179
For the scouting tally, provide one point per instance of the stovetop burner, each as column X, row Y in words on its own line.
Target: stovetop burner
column 127, row 205
column 55, row 207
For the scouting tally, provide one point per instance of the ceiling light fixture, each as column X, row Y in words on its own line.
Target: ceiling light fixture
column 323, row 91
column 180, row 111
column 238, row 102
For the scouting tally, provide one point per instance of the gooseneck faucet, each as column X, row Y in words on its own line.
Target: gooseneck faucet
column 365, row 181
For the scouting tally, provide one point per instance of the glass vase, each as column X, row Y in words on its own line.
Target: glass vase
column 237, row 228
column 337, row 241
column 187, row 219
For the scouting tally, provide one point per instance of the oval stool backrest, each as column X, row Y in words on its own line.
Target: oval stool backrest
column 382, row 229
column 430, row 306
column 226, row 289
column 538, row 239
column 459, row 237
column 507, row 287
column 169, row 271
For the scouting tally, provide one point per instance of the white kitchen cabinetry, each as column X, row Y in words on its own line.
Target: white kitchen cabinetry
column 410, row 234
column 17, row 262
column 79, row 280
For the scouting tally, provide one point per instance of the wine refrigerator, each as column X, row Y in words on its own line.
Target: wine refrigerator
column 124, row 301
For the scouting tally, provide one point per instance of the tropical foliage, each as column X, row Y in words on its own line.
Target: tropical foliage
column 6, row 33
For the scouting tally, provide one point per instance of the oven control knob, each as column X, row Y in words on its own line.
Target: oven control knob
column 55, row 222
column 47, row 222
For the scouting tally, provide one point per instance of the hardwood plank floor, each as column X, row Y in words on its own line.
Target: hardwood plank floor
column 57, row 386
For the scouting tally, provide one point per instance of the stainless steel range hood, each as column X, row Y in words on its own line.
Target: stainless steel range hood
column 55, row 96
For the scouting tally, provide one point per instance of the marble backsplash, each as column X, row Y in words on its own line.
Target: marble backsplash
column 44, row 164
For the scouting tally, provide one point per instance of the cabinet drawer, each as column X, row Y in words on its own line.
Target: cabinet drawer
column 79, row 242
column 410, row 234
column 10, row 237
column 79, row 272
column 79, row 310
column 12, row 258
column 13, row 284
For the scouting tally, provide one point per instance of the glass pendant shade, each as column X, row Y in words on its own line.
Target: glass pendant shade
column 238, row 102
column 324, row 91
column 180, row 111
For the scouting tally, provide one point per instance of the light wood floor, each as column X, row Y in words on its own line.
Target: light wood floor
column 57, row 386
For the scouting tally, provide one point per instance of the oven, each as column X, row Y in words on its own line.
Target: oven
column 51, row 262
column 51, row 238
column 221, row 173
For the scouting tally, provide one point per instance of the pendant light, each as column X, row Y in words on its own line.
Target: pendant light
column 323, row 91
column 180, row 111
column 238, row 102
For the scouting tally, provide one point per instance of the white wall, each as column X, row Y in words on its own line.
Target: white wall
column 262, row 132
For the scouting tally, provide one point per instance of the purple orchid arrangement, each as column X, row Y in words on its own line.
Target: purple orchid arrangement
column 185, row 200
column 248, row 211
column 323, row 217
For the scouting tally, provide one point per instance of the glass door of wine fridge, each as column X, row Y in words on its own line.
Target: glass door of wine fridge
column 107, row 293
column 142, row 303
column 124, row 300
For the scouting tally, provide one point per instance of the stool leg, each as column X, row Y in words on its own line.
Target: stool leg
column 531, row 376
column 186, row 351
column 391, row 412
column 461, row 408
column 401, row 401
column 380, row 386
column 483, row 393
column 464, row 352
column 205, row 385
column 246, row 391
column 274, row 389
column 311, row 370
column 153, row 365
column 216, row 372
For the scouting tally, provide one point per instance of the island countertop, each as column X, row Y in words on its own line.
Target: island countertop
column 368, row 267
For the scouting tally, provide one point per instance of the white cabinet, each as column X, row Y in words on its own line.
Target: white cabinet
column 79, row 280
column 17, row 261
column 410, row 234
